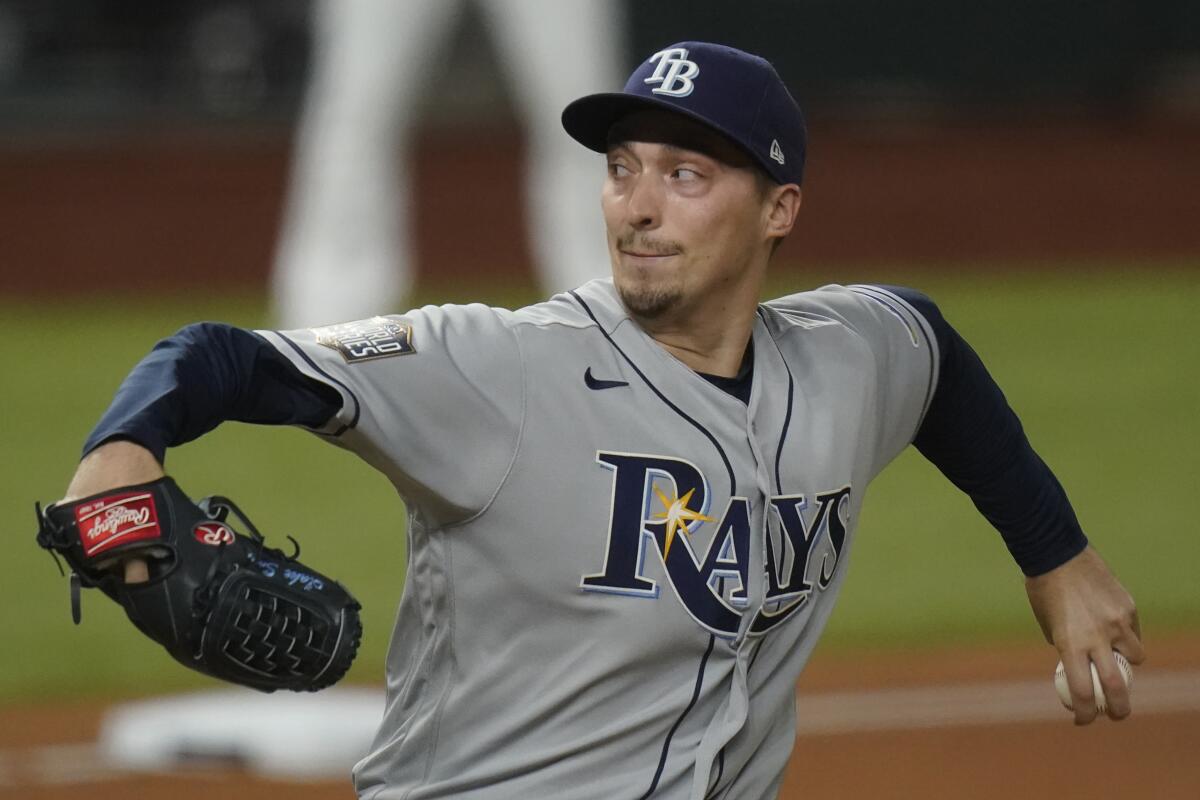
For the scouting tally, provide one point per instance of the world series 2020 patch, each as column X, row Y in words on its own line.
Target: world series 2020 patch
column 368, row 339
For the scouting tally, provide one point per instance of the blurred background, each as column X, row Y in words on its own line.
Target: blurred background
column 1035, row 166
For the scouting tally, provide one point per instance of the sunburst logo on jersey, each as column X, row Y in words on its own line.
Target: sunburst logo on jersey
column 678, row 516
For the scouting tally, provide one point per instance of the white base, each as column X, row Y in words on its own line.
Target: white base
column 282, row 735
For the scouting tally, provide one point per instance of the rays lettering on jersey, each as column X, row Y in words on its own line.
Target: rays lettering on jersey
column 659, row 503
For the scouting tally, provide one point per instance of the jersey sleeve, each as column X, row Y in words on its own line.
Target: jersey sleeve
column 904, row 353
column 972, row 435
column 203, row 375
column 433, row 398
column 962, row 424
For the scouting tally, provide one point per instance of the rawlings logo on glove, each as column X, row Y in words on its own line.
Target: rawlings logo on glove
column 116, row 519
column 219, row 601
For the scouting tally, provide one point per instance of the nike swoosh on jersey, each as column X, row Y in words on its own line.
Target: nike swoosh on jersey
column 598, row 383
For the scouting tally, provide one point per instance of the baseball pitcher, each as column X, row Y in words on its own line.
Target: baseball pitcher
column 631, row 507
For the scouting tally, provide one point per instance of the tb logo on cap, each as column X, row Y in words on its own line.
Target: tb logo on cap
column 674, row 72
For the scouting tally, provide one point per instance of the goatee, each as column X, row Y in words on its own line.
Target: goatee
column 642, row 301
column 648, row 303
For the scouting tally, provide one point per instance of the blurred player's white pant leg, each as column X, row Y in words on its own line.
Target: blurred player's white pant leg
column 555, row 51
column 344, row 250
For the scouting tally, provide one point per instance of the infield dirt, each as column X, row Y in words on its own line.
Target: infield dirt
column 45, row 750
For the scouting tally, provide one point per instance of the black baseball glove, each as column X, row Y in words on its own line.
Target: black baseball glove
column 220, row 602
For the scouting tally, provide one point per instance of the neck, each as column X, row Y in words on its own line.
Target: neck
column 723, row 358
column 710, row 341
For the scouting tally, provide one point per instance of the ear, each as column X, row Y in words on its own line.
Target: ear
column 780, row 210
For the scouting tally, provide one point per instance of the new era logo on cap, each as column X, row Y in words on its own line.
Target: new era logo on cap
column 736, row 93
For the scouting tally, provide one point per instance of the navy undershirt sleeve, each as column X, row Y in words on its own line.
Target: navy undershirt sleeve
column 203, row 375
column 972, row 435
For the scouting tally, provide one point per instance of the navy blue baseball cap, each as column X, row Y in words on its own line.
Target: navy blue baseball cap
column 736, row 93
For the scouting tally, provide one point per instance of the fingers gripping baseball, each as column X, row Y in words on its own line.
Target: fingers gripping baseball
column 1087, row 614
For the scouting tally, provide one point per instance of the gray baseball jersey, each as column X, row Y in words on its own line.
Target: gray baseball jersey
column 616, row 569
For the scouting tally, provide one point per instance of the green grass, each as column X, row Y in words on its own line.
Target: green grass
column 1101, row 368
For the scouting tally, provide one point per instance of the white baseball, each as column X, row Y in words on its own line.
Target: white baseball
column 1064, row 693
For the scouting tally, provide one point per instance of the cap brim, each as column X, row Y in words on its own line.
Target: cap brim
column 588, row 119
